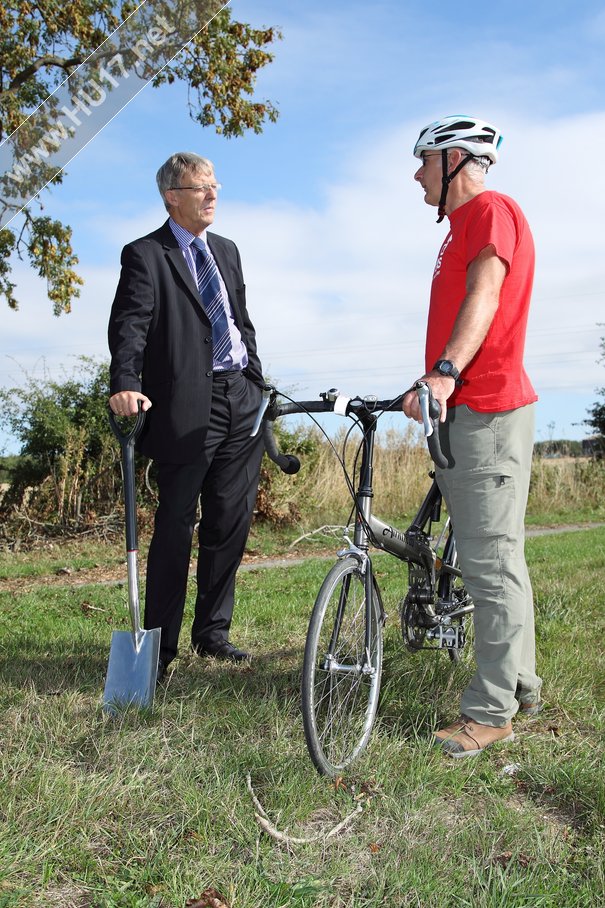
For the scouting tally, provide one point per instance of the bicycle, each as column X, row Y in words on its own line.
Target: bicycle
column 342, row 664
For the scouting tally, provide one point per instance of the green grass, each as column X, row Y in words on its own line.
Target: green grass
column 151, row 809
column 568, row 516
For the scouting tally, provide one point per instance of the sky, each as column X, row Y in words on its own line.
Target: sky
column 337, row 244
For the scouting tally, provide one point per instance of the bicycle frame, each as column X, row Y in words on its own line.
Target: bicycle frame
column 383, row 535
column 371, row 530
column 413, row 545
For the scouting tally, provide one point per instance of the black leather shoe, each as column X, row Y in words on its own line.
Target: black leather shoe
column 225, row 651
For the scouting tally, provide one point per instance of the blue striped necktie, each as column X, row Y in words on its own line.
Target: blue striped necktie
column 212, row 300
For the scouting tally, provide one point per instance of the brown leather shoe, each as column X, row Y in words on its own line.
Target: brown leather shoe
column 467, row 738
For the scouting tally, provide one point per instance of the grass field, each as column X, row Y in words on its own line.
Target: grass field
column 151, row 810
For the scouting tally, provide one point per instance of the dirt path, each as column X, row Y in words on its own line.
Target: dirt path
column 283, row 561
column 571, row 528
column 115, row 574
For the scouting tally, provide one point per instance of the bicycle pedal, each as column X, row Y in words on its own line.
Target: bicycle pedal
column 448, row 637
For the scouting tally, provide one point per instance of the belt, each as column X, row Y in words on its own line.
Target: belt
column 224, row 374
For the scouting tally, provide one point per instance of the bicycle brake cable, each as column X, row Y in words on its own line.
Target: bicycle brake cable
column 349, row 481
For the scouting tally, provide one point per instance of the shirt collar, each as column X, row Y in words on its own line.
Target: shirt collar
column 183, row 236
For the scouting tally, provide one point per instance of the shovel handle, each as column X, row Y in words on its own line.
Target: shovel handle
column 127, row 437
column 127, row 440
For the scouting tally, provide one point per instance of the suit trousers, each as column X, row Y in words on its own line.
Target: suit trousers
column 486, row 489
column 225, row 476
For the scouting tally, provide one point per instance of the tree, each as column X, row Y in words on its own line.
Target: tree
column 43, row 42
column 597, row 411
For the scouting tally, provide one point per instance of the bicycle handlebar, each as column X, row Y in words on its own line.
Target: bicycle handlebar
column 288, row 463
column 334, row 402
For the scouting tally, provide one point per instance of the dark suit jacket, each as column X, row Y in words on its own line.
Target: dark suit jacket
column 161, row 340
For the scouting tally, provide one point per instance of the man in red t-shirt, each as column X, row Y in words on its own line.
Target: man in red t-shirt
column 474, row 365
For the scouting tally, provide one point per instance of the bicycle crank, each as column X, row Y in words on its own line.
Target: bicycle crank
column 419, row 629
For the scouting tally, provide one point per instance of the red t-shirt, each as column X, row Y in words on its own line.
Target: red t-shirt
column 495, row 379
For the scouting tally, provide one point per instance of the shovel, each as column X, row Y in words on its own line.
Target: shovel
column 133, row 656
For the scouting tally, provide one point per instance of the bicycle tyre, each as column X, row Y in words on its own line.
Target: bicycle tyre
column 339, row 704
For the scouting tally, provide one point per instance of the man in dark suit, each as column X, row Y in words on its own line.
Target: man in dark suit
column 183, row 345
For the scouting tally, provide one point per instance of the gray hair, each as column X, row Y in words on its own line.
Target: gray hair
column 479, row 163
column 176, row 167
column 476, row 167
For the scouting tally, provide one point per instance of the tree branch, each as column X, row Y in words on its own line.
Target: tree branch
column 48, row 60
column 325, row 530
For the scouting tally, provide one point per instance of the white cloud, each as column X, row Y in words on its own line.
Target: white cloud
column 34, row 341
column 338, row 290
column 350, row 279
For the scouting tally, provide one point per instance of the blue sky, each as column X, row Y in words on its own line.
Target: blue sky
column 337, row 244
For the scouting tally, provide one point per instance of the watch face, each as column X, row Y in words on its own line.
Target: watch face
column 447, row 368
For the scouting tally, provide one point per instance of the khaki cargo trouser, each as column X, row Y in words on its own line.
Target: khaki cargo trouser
column 485, row 489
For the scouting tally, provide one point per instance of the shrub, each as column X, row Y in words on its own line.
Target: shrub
column 68, row 471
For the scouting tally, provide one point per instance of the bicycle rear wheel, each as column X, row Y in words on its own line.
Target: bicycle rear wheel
column 341, row 680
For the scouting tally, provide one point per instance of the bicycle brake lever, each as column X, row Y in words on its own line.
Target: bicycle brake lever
column 267, row 391
column 424, row 396
column 430, row 410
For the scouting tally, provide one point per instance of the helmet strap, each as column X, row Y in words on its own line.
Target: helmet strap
column 446, row 179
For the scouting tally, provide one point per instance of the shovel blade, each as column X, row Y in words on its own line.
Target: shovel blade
column 132, row 671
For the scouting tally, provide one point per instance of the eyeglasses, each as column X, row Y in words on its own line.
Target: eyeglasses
column 203, row 187
column 424, row 155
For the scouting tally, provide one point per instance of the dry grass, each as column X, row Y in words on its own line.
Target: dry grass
column 570, row 489
column 567, row 486
column 319, row 494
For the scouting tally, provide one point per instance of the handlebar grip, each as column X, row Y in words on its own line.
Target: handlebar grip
column 288, row 463
column 435, row 449
column 433, row 441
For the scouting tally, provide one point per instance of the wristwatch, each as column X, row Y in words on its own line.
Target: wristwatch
column 446, row 367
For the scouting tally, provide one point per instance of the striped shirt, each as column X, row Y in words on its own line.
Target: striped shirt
column 238, row 357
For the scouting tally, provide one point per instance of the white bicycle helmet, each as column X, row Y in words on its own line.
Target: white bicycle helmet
column 479, row 138
column 476, row 137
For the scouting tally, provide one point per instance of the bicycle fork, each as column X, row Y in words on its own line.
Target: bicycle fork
column 330, row 663
column 359, row 551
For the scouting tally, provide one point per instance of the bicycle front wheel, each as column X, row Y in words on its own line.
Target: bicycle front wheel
column 341, row 672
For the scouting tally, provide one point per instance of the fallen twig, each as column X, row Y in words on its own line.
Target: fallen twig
column 284, row 837
column 255, row 800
